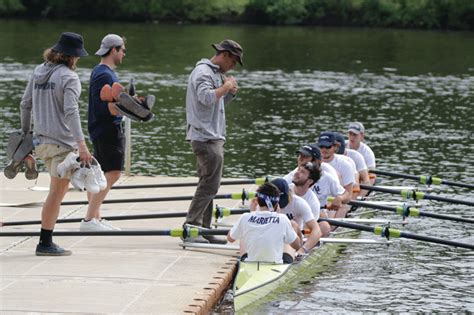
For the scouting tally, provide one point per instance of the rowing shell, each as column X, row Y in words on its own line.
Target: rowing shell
column 258, row 282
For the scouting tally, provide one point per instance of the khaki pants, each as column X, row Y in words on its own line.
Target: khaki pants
column 210, row 162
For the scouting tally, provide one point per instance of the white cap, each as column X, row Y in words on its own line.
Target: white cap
column 356, row 127
column 108, row 42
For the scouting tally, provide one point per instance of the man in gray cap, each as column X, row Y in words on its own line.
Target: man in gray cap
column 356, row 133
column 209, row 90
column 105, row 127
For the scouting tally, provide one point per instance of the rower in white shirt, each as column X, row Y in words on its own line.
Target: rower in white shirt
column 356, row 135
column 328, row 147
column 265, row 235
column 327, row 186
column 359, row 162
column 299, row 212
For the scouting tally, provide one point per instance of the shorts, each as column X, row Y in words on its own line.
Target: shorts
column 109, row 149
column 52, row 155
column 287, row 259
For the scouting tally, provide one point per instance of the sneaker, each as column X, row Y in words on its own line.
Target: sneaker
column 197, row 239
column 70, row 163
column 110, row 226
column 93, row 225
column 12, row 169
column 215, row 240
column 52, row 250
column 84, row 179
column 31, row 172
column 99, row 174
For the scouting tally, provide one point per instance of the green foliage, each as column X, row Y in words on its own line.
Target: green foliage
column 427, row 14
column 11, row 7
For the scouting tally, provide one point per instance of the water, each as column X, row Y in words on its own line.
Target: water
column 413, row 90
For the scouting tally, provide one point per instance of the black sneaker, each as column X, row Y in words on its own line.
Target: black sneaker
column 53, row 250
column 215, row 240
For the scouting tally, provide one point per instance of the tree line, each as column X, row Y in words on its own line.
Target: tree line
column 419, row 14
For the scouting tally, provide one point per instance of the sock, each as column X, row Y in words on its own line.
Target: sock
column 46, row 237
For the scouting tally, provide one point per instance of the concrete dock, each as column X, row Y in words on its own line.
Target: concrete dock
column 110, row 274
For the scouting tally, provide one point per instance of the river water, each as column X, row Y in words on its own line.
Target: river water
column 413, row 90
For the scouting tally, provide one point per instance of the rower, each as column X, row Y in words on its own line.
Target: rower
column 359, row 162
column 327, row 145
column 264, row 232
column 326, row 186
column 299, row 212
column 356, row 135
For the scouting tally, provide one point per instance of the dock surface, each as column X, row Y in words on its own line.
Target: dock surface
column 110, row 274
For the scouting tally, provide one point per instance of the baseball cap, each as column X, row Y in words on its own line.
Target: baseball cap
column 342, row 142
column 108, row 42
column 326, row 139
column 356, row 127
column 282, row 185
column 310, row 150
column 231, row 46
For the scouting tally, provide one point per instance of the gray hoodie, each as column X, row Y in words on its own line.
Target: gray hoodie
column 52, row 96
column 205, row 114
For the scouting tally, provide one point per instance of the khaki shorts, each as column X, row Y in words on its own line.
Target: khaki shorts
column 52, row 155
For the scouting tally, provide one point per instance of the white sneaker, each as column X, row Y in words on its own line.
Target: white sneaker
column 90, row 181
column 99, row 174
column 110, row 226
column 78, row 178
column 70, row 163
column 84, row 179
column 93, row 225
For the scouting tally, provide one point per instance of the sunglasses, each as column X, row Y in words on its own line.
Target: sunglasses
column 325, row 146
column 309, row 166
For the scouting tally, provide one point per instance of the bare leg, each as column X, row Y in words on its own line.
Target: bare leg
column 95, row 200
column 57, row 190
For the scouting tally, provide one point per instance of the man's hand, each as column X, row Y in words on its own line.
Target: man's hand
column 231, row 84
column 113, row 111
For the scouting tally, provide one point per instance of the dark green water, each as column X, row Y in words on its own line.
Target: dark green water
column 413, row 90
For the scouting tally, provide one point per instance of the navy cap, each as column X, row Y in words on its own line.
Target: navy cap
column 310, row 150
column 326, row 139
column 342, row 142
column 282, row 185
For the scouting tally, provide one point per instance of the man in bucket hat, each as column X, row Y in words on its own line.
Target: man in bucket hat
column 51, row 101
column 209, row 90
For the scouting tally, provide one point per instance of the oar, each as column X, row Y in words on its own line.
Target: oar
column 256, row 181
column 416, row 195
column 218, row 212
column 423, row 179
column 239, row 196
column 190, row 232
column 406, row 211
column 388, row 232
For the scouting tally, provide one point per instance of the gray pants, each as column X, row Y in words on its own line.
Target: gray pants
column 210, row 162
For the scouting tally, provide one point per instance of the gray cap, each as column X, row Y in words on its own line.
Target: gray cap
column 356, row 127
column 108, row 42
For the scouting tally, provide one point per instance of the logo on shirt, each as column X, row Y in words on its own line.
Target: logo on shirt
column 45, row 86
column 263, row 221
column 290, row 216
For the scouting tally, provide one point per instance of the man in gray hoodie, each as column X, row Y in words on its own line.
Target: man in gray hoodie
column 51, row 99
column 209, row 90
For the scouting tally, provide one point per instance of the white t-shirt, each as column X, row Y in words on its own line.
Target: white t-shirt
column 298, row 210
column 366, row 152
column 344, row 168
column 327, row 186
column 311, row 200
column 329, row 170
column 357, row 158
column 264, row 234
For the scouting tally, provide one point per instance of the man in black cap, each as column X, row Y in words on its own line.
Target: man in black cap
column 51, row 101
column 209, row 90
